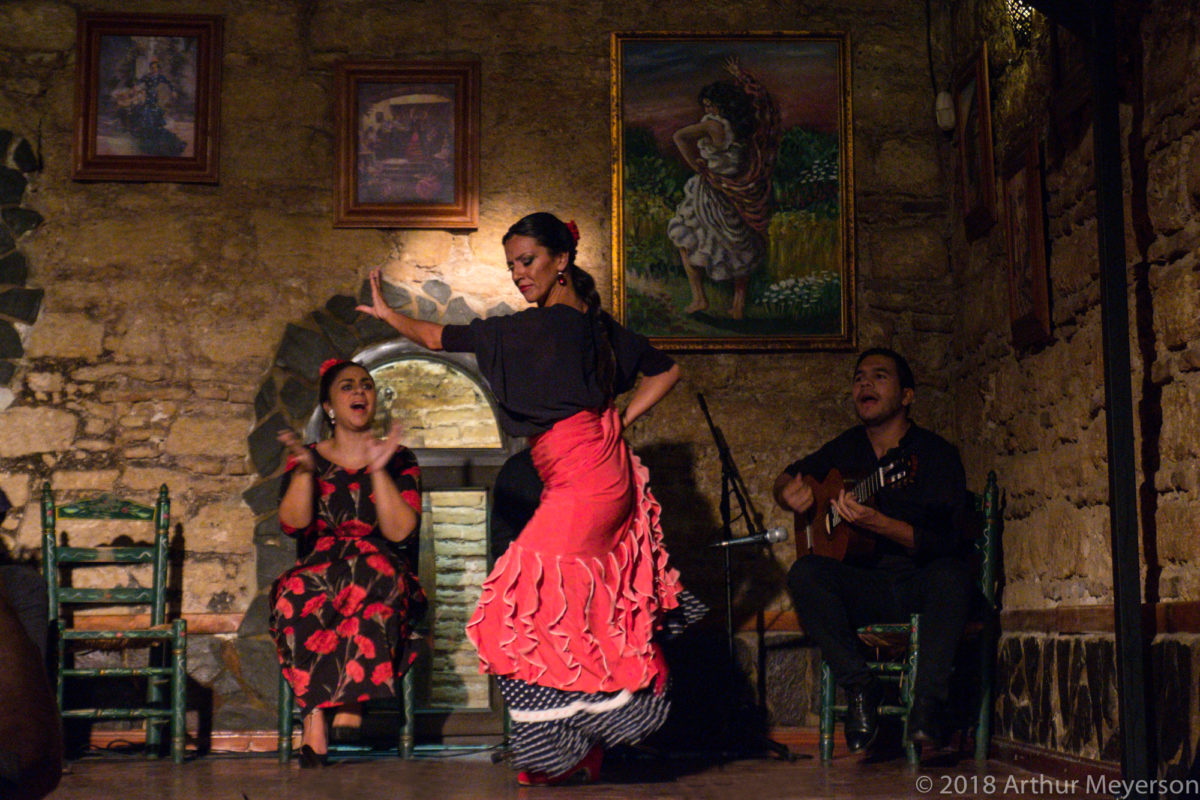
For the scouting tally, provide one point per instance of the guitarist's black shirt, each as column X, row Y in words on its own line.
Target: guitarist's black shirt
column 933, row 500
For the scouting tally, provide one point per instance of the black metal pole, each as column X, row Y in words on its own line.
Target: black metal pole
column 1114, row 312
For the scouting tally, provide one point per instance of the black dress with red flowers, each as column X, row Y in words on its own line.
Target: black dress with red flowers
column 341, row 617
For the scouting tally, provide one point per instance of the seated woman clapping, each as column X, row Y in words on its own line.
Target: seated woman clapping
column 341, row 617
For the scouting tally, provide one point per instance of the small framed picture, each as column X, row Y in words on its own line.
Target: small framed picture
column 147, row 104
column 1028, row 284
column 407, row 144
column 977, row 176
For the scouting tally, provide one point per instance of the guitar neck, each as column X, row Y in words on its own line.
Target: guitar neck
column 868, row 486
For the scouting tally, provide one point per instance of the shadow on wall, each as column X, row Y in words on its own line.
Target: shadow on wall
column 691, row 523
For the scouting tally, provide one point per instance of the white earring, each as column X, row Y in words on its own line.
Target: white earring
column 332, row 417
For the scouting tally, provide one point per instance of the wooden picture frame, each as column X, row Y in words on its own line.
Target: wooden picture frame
column 976, row 171
column 407, row 144
column 777, row 272
column 147, row 98
column 1025, row 234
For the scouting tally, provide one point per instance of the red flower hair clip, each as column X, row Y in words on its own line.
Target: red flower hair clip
column 328, row 365
column 574, row 229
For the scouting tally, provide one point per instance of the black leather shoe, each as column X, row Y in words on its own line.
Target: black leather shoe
column 925, row 722
column 862, row 715
column 311, row 759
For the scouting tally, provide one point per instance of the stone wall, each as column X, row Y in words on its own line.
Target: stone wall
column 168, row 301
column 1037, row 414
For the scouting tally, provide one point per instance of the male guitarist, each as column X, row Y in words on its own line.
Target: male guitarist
column 917, row 563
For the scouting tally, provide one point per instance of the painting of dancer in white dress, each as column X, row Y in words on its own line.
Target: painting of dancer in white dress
column 733, row 212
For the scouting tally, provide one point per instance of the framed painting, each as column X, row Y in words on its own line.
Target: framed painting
column 733, row 194
column 147, row 103
column 1028, row 284
column 407, row 144
column 976, row 173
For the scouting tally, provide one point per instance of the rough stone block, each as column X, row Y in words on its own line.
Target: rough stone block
column 263, row 497
column 12, row 187
column 220, row 527
column 299, row 398
column 10, row 341
column 257, row 618
column 264, row 401
column 458, row 312
column 303, row 351
column 14, row 269
column 343, row 306
column 265, row 449
column 63, row 335
column 22, row 305
column 36, row 430
column 272, row 561
column 342, row 337
column 24, row 158
column 437, row 289
column 21, row 220
column 206, row 436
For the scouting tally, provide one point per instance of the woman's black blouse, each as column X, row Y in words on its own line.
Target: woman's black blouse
column 541, row 363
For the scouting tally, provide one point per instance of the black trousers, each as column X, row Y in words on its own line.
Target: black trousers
column 832, row 599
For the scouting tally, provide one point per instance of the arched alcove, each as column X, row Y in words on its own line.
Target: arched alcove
column 449, row 419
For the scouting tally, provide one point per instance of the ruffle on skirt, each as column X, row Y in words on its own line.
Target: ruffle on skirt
column 576, row 610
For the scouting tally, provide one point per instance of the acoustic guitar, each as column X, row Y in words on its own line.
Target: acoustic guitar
column 825, row 532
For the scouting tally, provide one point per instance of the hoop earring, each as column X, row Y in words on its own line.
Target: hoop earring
column 562, row 279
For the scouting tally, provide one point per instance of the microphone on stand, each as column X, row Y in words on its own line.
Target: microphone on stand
column 771, row 536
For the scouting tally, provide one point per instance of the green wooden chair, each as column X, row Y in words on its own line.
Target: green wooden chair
column 289, row 716
column 166, row 666
column 899, row 656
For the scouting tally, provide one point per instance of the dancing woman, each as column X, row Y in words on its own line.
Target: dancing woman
column 568, row 615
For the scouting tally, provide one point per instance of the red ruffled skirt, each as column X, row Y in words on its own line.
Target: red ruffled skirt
column 574, row 602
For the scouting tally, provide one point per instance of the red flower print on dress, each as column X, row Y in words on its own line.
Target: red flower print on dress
column 315, row 568
column 354, row 529
column 381, row 610
column 383, row 672
column 349, row 600
column 322, row 642
column 380, row 565
column 348, row 627
column 313, row 604
column 298, row 678
column 354, row 671
column 284, row 607
column 365, row 646
column 294, row 585
column 323, row 544
column 326, row 488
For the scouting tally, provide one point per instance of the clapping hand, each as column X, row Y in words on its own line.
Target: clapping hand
column 380, row 451
column 296, row 449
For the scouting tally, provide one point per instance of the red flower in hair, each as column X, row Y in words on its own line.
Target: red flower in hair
column 333, row 362
column 574, row 229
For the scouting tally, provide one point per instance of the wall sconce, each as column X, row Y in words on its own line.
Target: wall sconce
column 1020, row 16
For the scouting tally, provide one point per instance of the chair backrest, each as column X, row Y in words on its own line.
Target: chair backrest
column 105, row 507
column 987, row 544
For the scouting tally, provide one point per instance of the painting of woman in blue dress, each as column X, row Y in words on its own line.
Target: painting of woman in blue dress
column 148, row 108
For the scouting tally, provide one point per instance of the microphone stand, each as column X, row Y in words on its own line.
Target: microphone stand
column 732, row 486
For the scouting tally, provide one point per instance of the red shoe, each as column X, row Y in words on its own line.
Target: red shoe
column 586, row 771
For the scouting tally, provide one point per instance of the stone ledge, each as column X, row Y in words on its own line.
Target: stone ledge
column 1157, row 618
